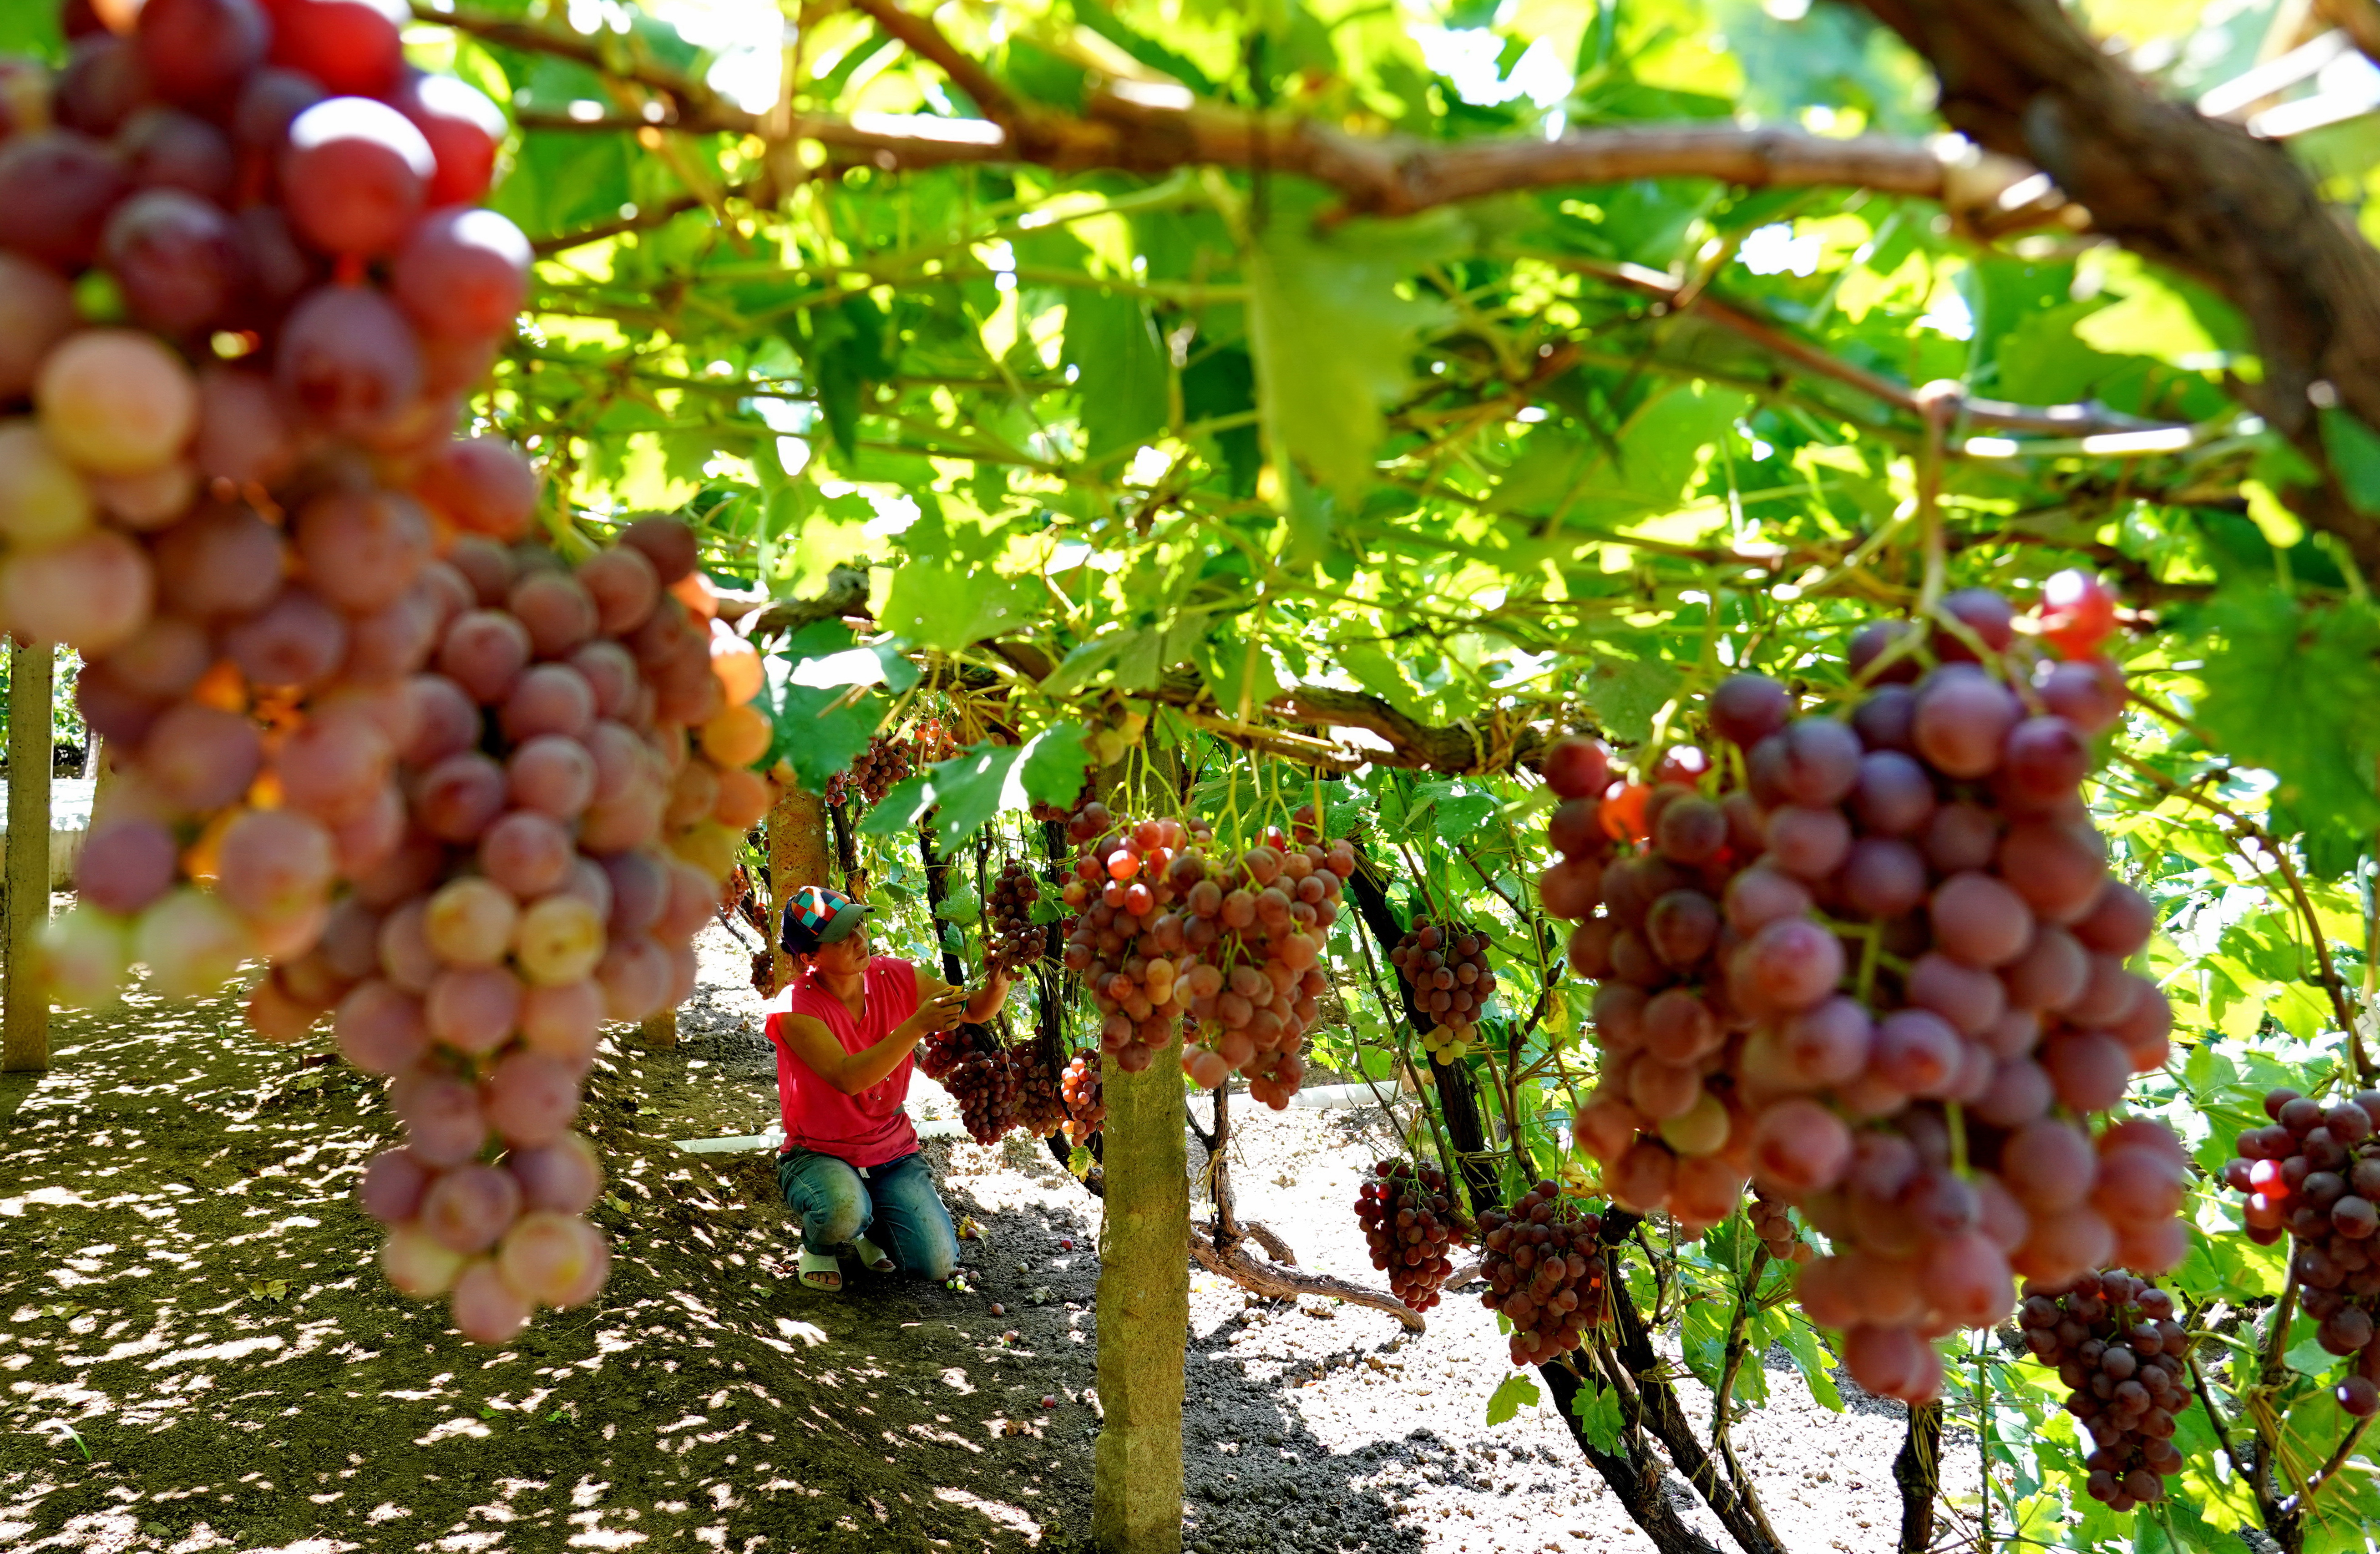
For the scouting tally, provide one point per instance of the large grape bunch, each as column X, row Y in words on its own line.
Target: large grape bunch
column 1774, row 1225
column 1086, row 1106
column 1258, row 923
column 987, row 1084
column 2113, row 1342
column 1545, row 1271
column 1240, row 954
column 873, row 772
column 2312, row 1173
column 1012, row 941
column 940, row 1051
column 471, row 798
column 1897, row 941
column 1444, row 967
column 1411, row 1222
column 1040, row 1104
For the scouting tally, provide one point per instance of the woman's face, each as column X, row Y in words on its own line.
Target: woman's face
column 845, row 956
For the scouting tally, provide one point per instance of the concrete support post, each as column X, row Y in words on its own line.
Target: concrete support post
column 24, row 1006
column 1144, row 1309
column 799, row 854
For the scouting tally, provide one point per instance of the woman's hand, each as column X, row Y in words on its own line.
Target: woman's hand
column 939, row 1010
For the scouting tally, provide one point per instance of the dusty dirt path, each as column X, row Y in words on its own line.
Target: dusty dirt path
column 198, row 1353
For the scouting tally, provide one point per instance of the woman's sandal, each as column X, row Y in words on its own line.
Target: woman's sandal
column 872, row 1258
column 820, row 1271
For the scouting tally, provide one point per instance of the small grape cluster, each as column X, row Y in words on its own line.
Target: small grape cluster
column 1410, row 1221
column 1012, row 941
column 932, row 741
column 873, row 772
column 2114, row 1343
column 1080, row 1086
column 1040, row 1106
column 1773, row 1223
column 1445, row 969
column 473, row 800
column 1902, row 910
column 1545, row 1271
column 2314, row 1174
column 987, row 1084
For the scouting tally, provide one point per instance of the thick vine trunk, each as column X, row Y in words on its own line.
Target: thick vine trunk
column 2207, row 198
column 1918, row 1471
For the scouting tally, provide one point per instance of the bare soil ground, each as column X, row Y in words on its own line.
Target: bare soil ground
column 198, row 1352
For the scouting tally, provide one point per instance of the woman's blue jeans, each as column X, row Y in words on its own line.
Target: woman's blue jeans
column 838, row 1203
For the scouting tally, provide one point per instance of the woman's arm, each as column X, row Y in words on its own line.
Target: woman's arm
column 981, row 1007
column 809, row 1040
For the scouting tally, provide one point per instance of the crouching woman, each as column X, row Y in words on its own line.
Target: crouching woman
column 844, row 1029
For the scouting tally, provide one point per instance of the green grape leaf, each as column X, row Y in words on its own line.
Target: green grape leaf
column 1055, row 762
column 1516, row 1392
column 943, row 604
column 1120, row 367
column 2354, row 450
column 1333, row 341
column 1814, row 1364
column 818, row 723
column 1598, row 1410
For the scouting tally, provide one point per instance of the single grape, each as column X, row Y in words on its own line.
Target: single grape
column 1746, row 709
column 471, row 921
column 417, row 1264
column 348, row 45
column 336, row 766
column 59, row 187
column 1800, row 1148
column 473, row 1009
column 116, row 402
column 393, row 1185
column 484, row 486
column 348, row 360
column 363, row 548
column 1962, row 719
column 560, row 941
column 527, row 853
column 442, row 1116
column 92, row 593
column 200, row 758
column 86, row 955
column 547, row 1256
column 354, row 176
column 197, row 52
column 458, row 798
column 273, row 863
column 551, row 699
column 242, row 437
column 552, row 775
column 635, row 976
column 36, row 312
column 469, row 1208
column 564, row 1021
column 222, row 560
column 531, row 1098
column 485, row 651
column 1979, row 921
column 463, row 272
column 177, row 259
column 294, row 642
column 668, row 543
column 623, row 586
column 463, row 129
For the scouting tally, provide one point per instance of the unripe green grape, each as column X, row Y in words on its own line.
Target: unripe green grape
column 191, row 944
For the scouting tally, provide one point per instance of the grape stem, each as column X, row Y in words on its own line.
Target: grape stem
column 1721, row 1398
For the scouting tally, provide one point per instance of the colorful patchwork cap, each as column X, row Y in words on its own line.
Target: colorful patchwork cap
column 818, row 916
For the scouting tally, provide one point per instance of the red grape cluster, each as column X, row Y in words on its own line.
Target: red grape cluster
column 1127, row 946
column 932, row 741
column 1410, row 1222
column 1445, row 969
column 1012, row 941
column 1545, row 1271
column 1257, row 924
column 2113, row 1343
column 1773, row 1223
column 873, row 772
column 472, row 799
column 2313, row 1173
column 1896, row 941
column 940, row 1051
column 1085, row 1109
column 987, row 1084
column 1040, row 1106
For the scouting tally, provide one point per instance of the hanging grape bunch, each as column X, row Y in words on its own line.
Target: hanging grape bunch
column 1256, row 989
column 1411, row 1222
column 873, row 772
column 1085, row 1109
column 1445, row 970
column 1128, row 946
column 932, row 741
column 1545, row 1271
column 987, row 1082
column 1040, row 1106
column 1773, row 1223
column 1905, row 908
column 472, row 798
column 939, row 1051
column 2314, row 1174
column 2113, row 1342
column 1012, row 941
